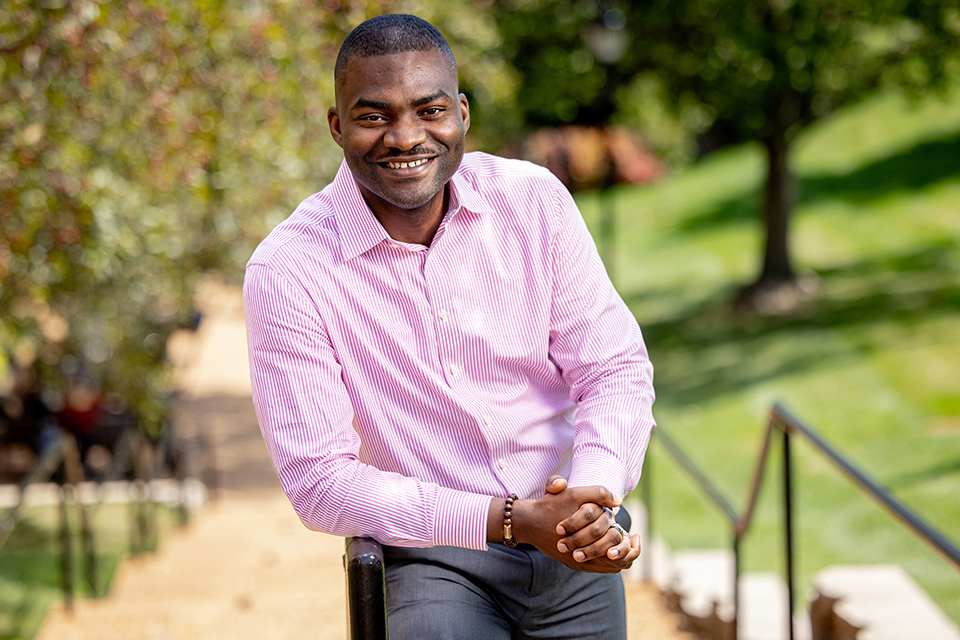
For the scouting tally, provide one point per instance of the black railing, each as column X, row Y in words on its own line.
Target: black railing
column 60, row 461
column 783, row 421
column 61, row 457
column 366, row 590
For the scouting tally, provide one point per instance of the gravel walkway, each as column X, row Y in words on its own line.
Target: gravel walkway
column 244, row 567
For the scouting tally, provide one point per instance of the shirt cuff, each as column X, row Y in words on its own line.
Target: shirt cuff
column 598, row 469
column 461, row 519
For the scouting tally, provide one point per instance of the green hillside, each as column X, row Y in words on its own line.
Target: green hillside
column 873, row 364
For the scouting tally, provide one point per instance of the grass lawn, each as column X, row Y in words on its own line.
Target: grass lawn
column 30, row 574
column 873, row 365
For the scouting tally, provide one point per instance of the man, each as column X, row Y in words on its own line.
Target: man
column 440, row 362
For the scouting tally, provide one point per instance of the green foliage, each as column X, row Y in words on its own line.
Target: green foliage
column 143, row 145
column 563, row 80
column 742, row 67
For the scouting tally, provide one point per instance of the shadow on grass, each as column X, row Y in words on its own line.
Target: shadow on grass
column 922, row 476
column 707, row 351
column 925, row 164
column 30, row 567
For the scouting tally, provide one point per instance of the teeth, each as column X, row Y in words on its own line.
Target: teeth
column 405, row 165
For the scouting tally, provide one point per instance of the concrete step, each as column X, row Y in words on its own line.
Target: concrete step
column 876, row 602
column 704, row 587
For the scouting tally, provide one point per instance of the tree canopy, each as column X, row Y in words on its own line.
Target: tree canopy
column 764, row 70
column 142, row 145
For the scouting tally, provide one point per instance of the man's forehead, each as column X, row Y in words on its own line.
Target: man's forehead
column 365, row 72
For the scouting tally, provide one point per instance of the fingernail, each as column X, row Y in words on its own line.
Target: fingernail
column 562, row 547
column 579, row 556
column 560, row 530
column 614, row 553
column 617, row 499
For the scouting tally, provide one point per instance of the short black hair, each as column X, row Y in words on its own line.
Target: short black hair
column 391, row 33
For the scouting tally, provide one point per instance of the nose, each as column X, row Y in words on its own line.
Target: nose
column 405, row 134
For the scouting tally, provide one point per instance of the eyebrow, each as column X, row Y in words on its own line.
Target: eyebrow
column 364, row 103
column 427, row 99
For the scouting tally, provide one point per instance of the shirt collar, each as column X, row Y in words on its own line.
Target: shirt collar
column 360, row 230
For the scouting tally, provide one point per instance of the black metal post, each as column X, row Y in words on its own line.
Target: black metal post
column 66, row 551
column 788, row 527
column 736, row 584
column 608, row 223
column 366, row 590
column 89, row 552
column 646, row 494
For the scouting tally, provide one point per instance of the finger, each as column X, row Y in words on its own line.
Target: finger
column 634, row 549
column 588, row 531
column 621, row 549
column 599, row 548
column 555, row 484
column 585, row 515
column 627, row 561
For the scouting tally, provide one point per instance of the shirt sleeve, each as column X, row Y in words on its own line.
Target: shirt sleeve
column 597, row 343
column 306, row 418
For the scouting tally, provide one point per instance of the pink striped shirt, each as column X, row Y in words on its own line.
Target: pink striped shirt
column 399, row 387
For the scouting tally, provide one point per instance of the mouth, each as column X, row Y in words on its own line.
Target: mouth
column 407, row 165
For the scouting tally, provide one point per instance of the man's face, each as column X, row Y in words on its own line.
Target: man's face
column 401, row 124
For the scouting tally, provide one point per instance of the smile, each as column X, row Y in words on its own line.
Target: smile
column 407, row 165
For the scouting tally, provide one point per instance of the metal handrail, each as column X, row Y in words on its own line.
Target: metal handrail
column 61, row 457
column 782, row 420
column 920, row 527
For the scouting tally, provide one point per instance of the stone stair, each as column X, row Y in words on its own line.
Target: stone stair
column 875, row 602
column 866, row 602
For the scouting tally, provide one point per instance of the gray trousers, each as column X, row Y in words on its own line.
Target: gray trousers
column 448, row 593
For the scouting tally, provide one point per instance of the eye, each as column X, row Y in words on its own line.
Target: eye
column 373, row 117
column 433, row 111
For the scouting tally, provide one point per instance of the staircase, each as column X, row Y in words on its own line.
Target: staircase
column 866, row 602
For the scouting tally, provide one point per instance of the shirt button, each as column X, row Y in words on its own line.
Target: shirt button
column 502, row 463
column 487, row 420
column 443, row 314
column 454, row 370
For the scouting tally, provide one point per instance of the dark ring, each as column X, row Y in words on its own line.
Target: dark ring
column 623, row 532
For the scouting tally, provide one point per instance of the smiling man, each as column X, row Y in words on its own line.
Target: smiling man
column 440, row 362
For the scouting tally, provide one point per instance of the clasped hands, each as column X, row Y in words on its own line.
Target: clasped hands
column 575, row 526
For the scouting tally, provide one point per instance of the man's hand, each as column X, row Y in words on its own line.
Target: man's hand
column 588, row 531
column 598, row 547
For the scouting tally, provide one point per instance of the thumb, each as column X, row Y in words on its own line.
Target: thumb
column 555, row 484
column 611, row 501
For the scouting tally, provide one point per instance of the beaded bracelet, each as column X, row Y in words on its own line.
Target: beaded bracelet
column 508, row 522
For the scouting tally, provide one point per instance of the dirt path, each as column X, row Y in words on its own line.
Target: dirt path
column 244, row 568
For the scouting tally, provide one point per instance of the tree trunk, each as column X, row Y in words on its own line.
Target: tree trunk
column 777, row 290
column 778, row 203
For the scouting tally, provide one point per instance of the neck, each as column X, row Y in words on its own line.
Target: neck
column 412, row 226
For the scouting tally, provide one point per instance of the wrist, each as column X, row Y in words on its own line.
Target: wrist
column 495, row 520
column 521, row 520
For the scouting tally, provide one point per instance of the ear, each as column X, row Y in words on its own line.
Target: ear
column 333, row 120
column 465, row 112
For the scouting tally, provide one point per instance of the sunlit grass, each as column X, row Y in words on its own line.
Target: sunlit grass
column 873, row 365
